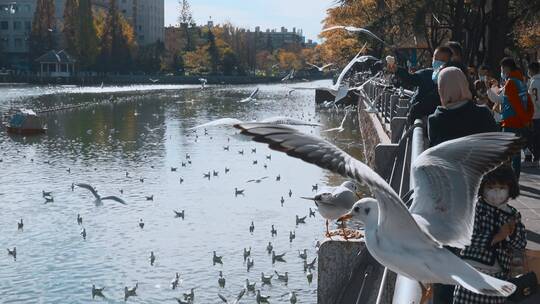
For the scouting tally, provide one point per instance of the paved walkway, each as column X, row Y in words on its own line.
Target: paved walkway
column 528, row 204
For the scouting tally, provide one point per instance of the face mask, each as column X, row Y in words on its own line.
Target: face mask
column 503, row 76
column 437, row 64
column 482, row 77
column 496, row 197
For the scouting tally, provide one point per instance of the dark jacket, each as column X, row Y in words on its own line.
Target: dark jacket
column 467, row 119
column 426, row 98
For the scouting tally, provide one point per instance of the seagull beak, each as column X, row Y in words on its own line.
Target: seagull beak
column 345, row 218
column 308, row 198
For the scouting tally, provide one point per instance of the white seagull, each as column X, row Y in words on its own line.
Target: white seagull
column 251, row 96
column 340, row 128
column 278, row 120
column 203, row 82
column 99, row 200
column 289, row 76
column 353, row 29
column 320, row 68
column 410, row 242
column 334, row 202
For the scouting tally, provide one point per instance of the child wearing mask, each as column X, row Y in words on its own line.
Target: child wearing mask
column 498, row 231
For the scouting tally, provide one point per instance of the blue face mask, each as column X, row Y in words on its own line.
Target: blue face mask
column 503, row 76
column 436, row 65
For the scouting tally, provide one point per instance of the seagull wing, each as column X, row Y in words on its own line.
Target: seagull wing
column 344, row 118
column 337, row 27
column 114, row 198
column 222, row 298
column 254, row 93
column 317, row 67
column 392, row 212
column 447, row 179
column 88, row 187
column 219, row 122
column 326, row 65
column 239, row 296
column 282, row 120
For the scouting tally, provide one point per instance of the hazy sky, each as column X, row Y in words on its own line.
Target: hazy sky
column 304, row 14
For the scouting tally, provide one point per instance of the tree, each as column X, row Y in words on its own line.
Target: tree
column 43, row 27
column 70, row 28
column 229, row 61
column 185, row 17
column 213, row 52
column 117, row 42
column 87, row 35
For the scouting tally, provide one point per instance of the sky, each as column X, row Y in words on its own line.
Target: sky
column 302, row 14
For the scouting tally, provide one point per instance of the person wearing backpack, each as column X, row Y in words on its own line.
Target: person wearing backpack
column 516, row 105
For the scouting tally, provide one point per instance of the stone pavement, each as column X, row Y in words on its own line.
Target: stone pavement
column 528, row 204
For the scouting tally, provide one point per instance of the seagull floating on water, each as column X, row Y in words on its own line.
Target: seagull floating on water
column 97, row 292
column 130, row 292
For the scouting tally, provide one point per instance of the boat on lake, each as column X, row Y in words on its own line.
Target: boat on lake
column 24, row 122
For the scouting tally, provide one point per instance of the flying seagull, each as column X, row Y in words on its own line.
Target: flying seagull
column 353, row 29
column 410, row 242
column 280, row 120
column 340, row 128
column 320, row 68
column 238, row 297
column 99, row 200
column 251, row 96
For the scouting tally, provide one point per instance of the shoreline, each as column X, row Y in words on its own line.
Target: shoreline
column 145, row 79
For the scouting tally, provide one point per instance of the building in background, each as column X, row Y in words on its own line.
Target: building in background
column 272, row 39
column 16, row 16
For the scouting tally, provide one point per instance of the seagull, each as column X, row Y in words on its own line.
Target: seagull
column 309, row 276
column 278, row 178
column 269, row 247
column 277, row 257
column 273, row 231
column 49, row 199
column 292, row 297
column 260, row 298
column 290, row 192
column 334, row 202
column 447, row 178
column 311, row 213
column 251, row 96
column 238, row 191
column 320, row 68
column 221, row 280
column 83, row 233
column 141, row 223
column 253, row 150
column 13, row 252
column 190, row 297
column 217, row 259
column 257, row 181
column 173, row 169
column 20, row 225
column 99, row 200
column 282, row 201
column 203, row 82
column 282, row 277
column 315, row 187
column 227, row 170
column 249, row 263
column 238, row 297
column 45, row 194
column 266, row 280
column 153, row 80
column 247, row 253
column 179, row 214
column 152, row 258
column 269, row 157
column 130, row 292
column 354, row 30
column 340, row 128
column 79, row 219
column 97, row 291
column 175, row 281
column 150, row 198
column 251, row 227
column 310, row 265
column 250, row 287
column 300, row 220
column 292, row 236
column 302, row 255
column 289, row 76
column 278, row 120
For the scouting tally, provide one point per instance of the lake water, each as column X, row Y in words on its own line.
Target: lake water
column 144, row 130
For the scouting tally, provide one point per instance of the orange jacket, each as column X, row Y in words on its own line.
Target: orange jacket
column 517, row 106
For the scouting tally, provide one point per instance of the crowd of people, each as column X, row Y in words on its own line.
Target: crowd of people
column 460, row 100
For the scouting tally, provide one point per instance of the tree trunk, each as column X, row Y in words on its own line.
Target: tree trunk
column 497, row 33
